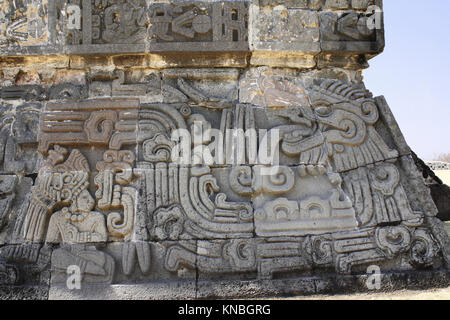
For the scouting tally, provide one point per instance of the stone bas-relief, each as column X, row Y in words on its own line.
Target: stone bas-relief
column 87, row 25
column 186, row 181
column 23, row 23
column 330, row 31
column 111, row 196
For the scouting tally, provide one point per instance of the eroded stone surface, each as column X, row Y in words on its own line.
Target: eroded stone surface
column 223, row 180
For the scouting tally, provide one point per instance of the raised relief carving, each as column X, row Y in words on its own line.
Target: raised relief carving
column 379, row 197
column 349, row 26
column 341, row 133
column 113, row 191
column 214, row 256
column 145, row 172
column 273, row 92
column 424, row 248
column 78, row 223
column 204, row 209
column 8, row 185
column 130, row 25
column 294, row 216
column 95, row 266
column 312, row 215
column 320, row 4
column 200, row 99
column 67, row 91
column 90, row 23
column 119, row 88
column 147, row 195
column 25, row 263
column 136, row 253
column 276, row 180
column 355, row 248
column 104, row 122
column 124, row 21
column 169, row 223
column 158, row 149
column 25, row 92
column 64, row 182
column 393, row 240
column 247, row 180
column 198, row 23
column 23, row 23
column 19, row 137
column 346, row 116
column 282, row 255
column 320, row 248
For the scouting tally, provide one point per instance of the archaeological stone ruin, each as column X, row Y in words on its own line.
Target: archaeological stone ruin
column 154, row 149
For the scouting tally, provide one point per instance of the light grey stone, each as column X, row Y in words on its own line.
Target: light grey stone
column 204, row 149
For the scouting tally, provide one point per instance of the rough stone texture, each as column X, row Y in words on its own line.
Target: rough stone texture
column 440, row 192
column 250, row 289
column 185, row 149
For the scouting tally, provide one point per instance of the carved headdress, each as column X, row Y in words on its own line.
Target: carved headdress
column 58, row 182
column 63, row 181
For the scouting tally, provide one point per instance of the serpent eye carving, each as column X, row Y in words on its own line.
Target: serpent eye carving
column 323, row 110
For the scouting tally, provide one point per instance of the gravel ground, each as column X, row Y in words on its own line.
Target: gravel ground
column 432, row 294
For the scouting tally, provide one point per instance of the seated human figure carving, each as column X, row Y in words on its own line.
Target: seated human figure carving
column 77, row 223
column 75, row 227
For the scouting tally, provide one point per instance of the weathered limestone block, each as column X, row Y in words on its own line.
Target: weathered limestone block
column 215, row 33
column 284, row 36
column 24, row 23
column 325, row 4
column 186, row 149
column 15, row 192
column 25, row 265
column 19, row 134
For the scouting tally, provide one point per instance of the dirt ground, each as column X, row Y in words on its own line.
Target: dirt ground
column 444, row 175
column 432, row 294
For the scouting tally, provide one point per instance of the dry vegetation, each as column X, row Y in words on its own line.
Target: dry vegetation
column 444, row 157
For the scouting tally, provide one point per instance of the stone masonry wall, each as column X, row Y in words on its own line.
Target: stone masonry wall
column 186, row 149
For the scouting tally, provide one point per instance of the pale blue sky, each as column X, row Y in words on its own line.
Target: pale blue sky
column 413, row 72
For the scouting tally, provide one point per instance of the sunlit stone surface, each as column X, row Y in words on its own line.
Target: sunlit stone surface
column 184, row 149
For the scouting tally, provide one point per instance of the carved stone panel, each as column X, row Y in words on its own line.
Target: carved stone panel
column 126, row 166
column 89, row 26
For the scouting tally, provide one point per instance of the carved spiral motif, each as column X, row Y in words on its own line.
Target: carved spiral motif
column 185, row 111
column 393, row 240
column 240, row 253
column 162, row 152
column 241, row 180
column 169, row 223
column 385, row 178
column 100, row 126
column 349, row 129
column 369, row 112
column 159, row 148
column 66, row 91
column 423, row 249
column 278, row 179
column 321, row 250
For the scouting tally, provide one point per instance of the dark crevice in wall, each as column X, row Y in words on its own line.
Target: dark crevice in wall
column 440, row 192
